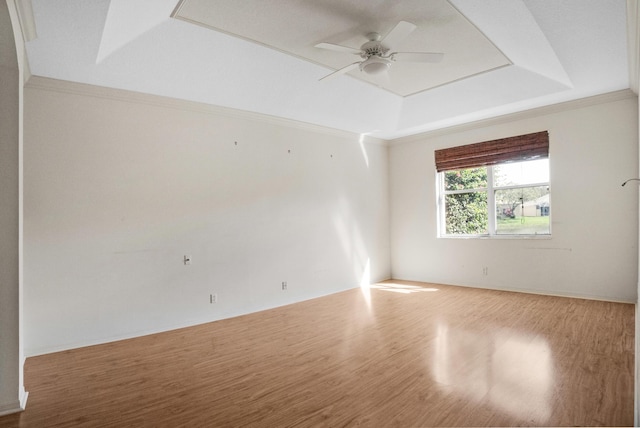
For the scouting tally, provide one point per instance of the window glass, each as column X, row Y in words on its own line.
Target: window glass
column 466, row 213
column 530, row 172
column 472, row 178
column 504, row 199
column 522, row 211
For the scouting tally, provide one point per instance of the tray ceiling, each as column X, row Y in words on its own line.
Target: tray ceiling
column 500, row 56
column 295, row 27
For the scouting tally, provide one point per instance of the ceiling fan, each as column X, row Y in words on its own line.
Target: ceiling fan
column 376, row 53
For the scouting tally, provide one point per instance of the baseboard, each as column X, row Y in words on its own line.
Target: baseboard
column 16, row 406
column 636, row 374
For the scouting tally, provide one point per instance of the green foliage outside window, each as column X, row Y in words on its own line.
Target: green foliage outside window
column 475, row 178
column 466, row 213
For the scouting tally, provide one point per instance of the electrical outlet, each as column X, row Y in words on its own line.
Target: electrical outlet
column 213, row 298
column 284, row 286
column 485, row 271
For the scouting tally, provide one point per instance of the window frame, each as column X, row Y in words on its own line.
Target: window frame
column 490, row 190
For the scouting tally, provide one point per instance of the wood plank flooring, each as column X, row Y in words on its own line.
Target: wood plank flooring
column 400, row 354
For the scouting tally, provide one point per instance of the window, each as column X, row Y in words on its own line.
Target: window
column 499, row 187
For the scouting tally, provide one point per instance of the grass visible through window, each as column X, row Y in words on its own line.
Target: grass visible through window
column 523, row 226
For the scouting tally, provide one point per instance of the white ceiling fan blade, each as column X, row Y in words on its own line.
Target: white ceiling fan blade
column 399, row 33
column 417, row 56
column 338, row 48
column 343, row 70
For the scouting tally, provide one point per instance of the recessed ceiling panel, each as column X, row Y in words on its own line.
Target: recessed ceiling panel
column 297, row 26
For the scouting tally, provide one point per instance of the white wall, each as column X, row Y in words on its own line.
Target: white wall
column 119, row 187
column 12, row 394
column 594, row 247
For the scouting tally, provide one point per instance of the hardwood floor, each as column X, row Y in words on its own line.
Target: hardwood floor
column 400, row 354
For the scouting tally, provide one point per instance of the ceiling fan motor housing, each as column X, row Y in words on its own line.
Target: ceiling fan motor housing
column 376, row 54
column 375, row 65
column 373, row 52
column 373, row 48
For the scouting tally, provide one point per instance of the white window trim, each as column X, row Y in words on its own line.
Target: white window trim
column 491, row 195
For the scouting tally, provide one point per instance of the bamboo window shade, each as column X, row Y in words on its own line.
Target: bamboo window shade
column 511, row 149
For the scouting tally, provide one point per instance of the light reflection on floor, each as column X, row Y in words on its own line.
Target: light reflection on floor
column 508, row 371
column 401, row 288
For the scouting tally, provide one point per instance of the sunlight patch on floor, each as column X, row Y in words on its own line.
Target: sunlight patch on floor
column 365, row 284
column 402, row 288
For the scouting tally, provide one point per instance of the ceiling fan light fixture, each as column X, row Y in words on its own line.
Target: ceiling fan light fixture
column 376, row 53
column 375, row 65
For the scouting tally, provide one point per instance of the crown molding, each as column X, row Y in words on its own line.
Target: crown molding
column 63, row 86
column 27, row 21
column 19, row 20
column 633, row 43
column 83, row 89
column 522, row 115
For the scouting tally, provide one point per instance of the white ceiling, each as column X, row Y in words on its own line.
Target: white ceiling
column 295, row 27
column 501, row 56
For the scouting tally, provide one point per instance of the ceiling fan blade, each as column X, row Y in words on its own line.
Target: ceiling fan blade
column 343, row 70
column 417, row 56
column 399, row 33
column 338, row 48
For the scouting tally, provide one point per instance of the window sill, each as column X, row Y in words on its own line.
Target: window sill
column 508, row 237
